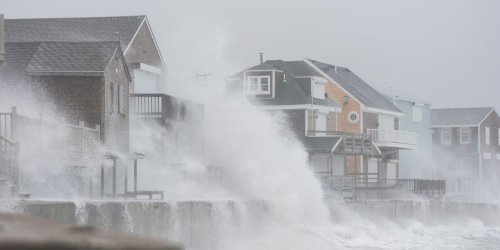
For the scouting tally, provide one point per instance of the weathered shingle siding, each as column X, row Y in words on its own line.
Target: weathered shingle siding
column 76, row 98
column 491, row 121
column 116, row 125
column 337, row 95
column 143, row 50
column 455, row 147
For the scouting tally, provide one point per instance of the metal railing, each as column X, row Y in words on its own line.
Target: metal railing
column 391, row 137
column 428, row 188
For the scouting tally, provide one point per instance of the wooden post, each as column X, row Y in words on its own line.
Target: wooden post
column 102, row 180
column 98, row 129
column 81, row 126
column 15, row 169
column 135, row 177
column 114, row 177
column 126, row 180
column 345, row 153
column 13, row 125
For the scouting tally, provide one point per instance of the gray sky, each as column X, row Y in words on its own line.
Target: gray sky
column 444, row 51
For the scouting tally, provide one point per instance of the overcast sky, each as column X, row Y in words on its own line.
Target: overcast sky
column 444, row 51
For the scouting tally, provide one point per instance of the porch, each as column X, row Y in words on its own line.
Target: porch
column 391, row 138
column 353, row 187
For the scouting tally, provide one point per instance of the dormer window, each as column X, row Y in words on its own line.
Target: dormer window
column 258, row 85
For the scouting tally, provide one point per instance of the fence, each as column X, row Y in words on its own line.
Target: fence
column 9, row 150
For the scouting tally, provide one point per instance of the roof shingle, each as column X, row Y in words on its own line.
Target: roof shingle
column 365, row 93
column 71, row 57
column 82, row 29
column 454, row 117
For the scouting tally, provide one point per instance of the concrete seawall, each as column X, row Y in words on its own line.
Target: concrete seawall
column 427, row 212
column 200, row 224
column 194, row 223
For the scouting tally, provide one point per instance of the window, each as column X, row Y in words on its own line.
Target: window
column 417, row 113
column 446, row 136
column 258, row 85
column 487, row 135
column 353, row 117
column 464, row 136
column 117, row 99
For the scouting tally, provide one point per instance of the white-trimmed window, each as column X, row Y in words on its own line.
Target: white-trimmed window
column 258, row 85
column 487, row 135
column 464, row 135
column 446, row 135
column 417, row 113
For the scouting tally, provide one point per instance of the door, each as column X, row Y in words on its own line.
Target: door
column 391, row 170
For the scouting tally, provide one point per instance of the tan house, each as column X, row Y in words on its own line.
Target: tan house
column 355, row 134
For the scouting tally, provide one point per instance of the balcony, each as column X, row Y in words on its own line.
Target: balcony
column 390, row 138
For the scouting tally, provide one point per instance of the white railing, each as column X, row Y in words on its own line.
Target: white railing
column 49, row 133
column 393, row 138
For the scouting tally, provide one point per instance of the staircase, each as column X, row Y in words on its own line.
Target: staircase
column 358, row 144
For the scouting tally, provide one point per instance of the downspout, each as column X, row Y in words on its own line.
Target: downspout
column 2, row 41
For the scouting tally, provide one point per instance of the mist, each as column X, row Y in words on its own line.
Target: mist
column 422, row 47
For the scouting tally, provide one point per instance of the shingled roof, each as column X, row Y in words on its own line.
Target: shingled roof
column 81, row 29
column 289, row 93
column 456, row 117
column 71, row 57
column 358, row 88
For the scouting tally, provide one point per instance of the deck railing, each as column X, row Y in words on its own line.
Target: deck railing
column 393, row 138
column 427, row 188
column 56, row 135
column 79, row 138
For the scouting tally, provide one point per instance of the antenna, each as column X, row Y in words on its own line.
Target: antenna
column 199, row 75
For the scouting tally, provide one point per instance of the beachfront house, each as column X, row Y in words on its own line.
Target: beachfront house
column 416, row 163
column 466, row 147
column 351, row 131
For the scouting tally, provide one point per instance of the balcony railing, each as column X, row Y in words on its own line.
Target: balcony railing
column 393, row 138
column 347, row 186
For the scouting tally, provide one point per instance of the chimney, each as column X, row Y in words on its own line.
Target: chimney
column 2, row 50
column 261, row 58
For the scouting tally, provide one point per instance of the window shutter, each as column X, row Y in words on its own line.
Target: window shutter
column 121, row 99
column 112, row 97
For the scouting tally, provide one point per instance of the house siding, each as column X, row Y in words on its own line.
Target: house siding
column 143, row 50
column 416, row 163
column 116, row 124
column 490, row 168
column 343, row 124
column 77, row 98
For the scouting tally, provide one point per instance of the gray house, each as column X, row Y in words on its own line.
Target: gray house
column 295, row 89
column 466, row 147
column 83, row 69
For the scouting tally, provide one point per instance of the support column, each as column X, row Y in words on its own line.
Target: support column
column 114, row 177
